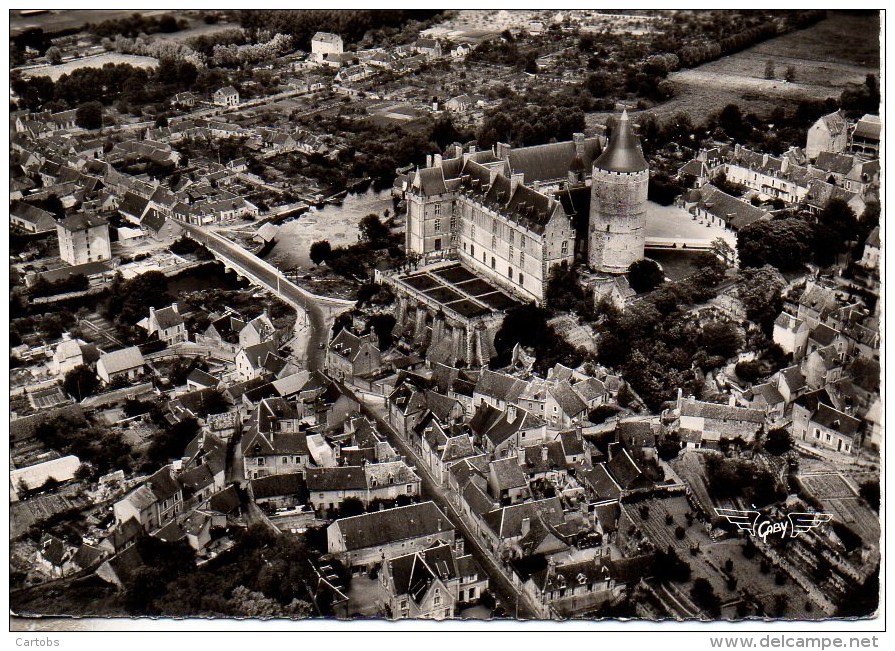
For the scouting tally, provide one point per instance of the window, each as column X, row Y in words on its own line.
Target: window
column 285, row 459
column 409, row 488
column 520, row 280
column 493, row 225
column 472, row 249
column 512, row 237
column 453, row 223
column 521, row 259
column 437, row 600
column 494, row 241
column 296, row 460
column 510, row 273
column 493, row 263
column 565, row 247
column 260, row 461
column 321, row 495
column 438, row 244
column 437, row 225
column 472, row 231
column 437, row 209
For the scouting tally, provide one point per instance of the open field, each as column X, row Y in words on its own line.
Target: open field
column 71, row 18
column 827, row 57
column 98, row 61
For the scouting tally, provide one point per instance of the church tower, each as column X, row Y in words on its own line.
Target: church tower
column 618, row 202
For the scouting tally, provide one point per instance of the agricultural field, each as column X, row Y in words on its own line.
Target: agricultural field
column 827, row 57
column 98, row 61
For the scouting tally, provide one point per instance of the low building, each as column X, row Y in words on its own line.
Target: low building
column 828, row 133
column 32, row 477
column 710, row 422
column 349, row 355
column 226, row 96
column 365, row 541
column 826, row 427
column 328, row 488
column 31, row 218
column 323, row 43
column 274, row 444
column 279, row 491
column 71, row 353
column 430, row 584
column 791, row 334
column 154, row 503
column 125, row 364
column 167, row 324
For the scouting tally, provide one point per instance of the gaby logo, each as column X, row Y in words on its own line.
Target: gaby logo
column 762, row 526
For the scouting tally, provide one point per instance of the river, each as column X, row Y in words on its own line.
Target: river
column 336, row 224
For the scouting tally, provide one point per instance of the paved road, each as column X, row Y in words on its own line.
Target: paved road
column 513, row 600
column 316, row 307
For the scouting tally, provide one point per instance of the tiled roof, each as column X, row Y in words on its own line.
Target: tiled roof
column 122, row 360
column 278, row 485
column 710, row 410
column 836, row 420
column 392, row 525
column 623, row 153
column 168, row 317
column 508, row 474
column 551, row 161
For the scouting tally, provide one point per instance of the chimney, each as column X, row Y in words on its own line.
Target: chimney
column 516, row 180
column 543, row 453
column 511, row 413
column 428, row 160
column 492, row 174
column 472, row 149
column 526, row 526
column 174, row 307
column 731, row 401
column 503, row 150
column 578, row 139
column 439, row 524
column 764, row 159
column 436, row 160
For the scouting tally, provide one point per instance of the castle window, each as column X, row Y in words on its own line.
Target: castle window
column 493, row 263
column 453, row 223
column 472, row 231
column 520, row 280
column 437, row 209
column 493, row 225
column 565, row 247
column 521, row 259
column 510, row 273
column 607, row 228
column 494, row 241
column 438, row 244
column 512, row 236
column 472, row 249
column 437, row 225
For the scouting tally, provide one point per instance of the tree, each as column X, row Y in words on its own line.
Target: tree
column 749, row 370
column 320, row 251
column 720, row 338
column 790, row 74
column 870, row 491
column 760, row 291
column 779, row 441
column 89, row 115
column 703, row 595
column 54, row 55
column 784, row 243
column 373, row 231
column 836, row 226
column 769, row 69
column 80, row 382
column 645, row 275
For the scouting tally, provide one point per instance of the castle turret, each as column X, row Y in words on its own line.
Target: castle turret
column 618, row 202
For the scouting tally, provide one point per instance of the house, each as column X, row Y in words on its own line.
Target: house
column 503, row 432
column 506, row 527
column 543, row 461
column 565, row 407
column 273, row 443
column 258, row 331
column 411, row 400
column 31, row 218
column 872, row 250
column 866, row 136
column 824, row 426
column 828, row 133
column 443, row 446
column 497, row 389
column 154, row 503
column 349, row 355
column 159, row 227
column 329, row 487
column 125, row 364
column 364, row 541
column 715, row 206
column 167, row 324
column 817, row 303
column 712, row 422
column 791, row 383
column 84, row 238
column 577, row 587
column 767, row 398
column 820, row 193
column 429, row 47
column 223, row 333
column 184, row 100
column 430, row 584
column 507, row 482
column 323, row 43
column 279, row 491
column 823, row 366
column 791, row 334
column 52, row 555
column 261, row 360
column 226, row 96
column 121, row 568
column 71, row 353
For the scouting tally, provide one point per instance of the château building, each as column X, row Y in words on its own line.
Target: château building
column 502, row 212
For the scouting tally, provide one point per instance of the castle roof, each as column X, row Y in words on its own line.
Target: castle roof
column 623, row 153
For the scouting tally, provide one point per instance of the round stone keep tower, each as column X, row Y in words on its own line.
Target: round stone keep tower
column 618, row 202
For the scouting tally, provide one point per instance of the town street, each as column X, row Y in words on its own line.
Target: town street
column 513, row 600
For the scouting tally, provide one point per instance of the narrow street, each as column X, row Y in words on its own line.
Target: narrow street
column 514, row 601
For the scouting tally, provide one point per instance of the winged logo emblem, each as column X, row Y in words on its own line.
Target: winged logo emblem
column 756, row 524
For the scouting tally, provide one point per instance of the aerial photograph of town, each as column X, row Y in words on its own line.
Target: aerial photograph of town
column 471, row 316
